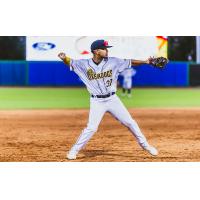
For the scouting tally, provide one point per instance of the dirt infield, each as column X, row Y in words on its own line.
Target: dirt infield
column 46, row 135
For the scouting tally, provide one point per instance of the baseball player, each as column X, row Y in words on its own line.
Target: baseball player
column 127, row 81
column 100, row 74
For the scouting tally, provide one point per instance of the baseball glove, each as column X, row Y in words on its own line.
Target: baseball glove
column 159, row 62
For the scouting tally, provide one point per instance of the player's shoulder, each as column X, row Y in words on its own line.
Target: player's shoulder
column 114, row 59
column 117, row 59
column 85, row 60
column 81, row 61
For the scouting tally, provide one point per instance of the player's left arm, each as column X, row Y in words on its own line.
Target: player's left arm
column 139, row 62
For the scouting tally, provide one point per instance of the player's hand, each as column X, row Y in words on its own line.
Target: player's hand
column 62, row 56
column 149, row 60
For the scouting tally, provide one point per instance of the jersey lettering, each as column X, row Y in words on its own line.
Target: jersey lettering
column 91, row 75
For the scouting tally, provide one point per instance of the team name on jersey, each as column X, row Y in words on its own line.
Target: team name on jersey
column 91, row 75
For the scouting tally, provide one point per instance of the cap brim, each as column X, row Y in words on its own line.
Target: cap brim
column 105, row 47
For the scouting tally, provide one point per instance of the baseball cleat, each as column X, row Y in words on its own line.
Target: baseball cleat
column 71, row 155
column 152, row 150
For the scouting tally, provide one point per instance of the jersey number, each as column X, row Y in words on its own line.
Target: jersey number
column 108, row 83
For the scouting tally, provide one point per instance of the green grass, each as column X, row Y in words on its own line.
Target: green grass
column 58, row 98
column 164, row 98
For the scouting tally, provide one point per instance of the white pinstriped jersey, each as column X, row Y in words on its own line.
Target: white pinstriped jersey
column 102, row 78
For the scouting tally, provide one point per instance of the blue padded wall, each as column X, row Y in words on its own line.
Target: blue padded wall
column 52, row 74
column 174, row 75
column 13, row 73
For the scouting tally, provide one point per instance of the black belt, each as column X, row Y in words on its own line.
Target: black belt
column 103, row 96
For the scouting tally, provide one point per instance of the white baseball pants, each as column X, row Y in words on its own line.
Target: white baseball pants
column 98, row 107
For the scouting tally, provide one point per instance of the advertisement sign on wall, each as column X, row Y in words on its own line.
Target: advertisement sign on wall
column 77, row 47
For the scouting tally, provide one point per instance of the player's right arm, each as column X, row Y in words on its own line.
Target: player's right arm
column 64, row 58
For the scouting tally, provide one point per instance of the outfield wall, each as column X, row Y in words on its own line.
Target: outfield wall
column 174, row 75
column 13, row 73
column 52, row 73
column 55, row 73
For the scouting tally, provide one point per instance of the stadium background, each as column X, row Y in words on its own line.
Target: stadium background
column 41, row 99
column 23, row 64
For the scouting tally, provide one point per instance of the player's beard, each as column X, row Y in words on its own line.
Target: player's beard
column 106, row 55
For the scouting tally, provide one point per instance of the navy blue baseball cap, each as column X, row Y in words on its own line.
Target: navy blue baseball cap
column 99, row 44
